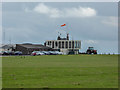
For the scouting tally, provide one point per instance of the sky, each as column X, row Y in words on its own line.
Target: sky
column 94, row 23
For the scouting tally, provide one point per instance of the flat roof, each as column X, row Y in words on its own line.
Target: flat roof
column 34, row 46
column 63, row 40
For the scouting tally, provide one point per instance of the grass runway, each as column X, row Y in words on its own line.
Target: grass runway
column 60, row 71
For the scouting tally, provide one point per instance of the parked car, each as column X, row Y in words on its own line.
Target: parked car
column 1, row 52
column 40, row 53
column 5, row 53
column 58, row 53
column 52, row 53
column 18, row 53
column 34, row 53
column 46, row 52
column 11, row 53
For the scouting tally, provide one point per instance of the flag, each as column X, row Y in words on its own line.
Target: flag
column 63, row 25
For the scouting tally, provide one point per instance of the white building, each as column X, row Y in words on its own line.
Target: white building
column 65, row 45
column 7, row 47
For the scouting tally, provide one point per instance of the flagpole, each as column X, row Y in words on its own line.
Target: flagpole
column 68, row 30
column 65, row 28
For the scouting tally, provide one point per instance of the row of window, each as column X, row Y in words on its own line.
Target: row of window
column 62, row 44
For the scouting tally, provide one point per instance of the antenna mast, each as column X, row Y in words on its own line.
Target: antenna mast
column 4, row 36
column 10, row 40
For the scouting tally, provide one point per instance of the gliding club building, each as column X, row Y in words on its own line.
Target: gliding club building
column 64, row 45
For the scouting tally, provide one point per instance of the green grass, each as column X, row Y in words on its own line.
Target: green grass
column 62, row 71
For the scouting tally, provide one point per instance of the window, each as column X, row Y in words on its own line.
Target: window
column 56, row 44
column 69, row 44
column 72, row 44
column 59, row 44
column 53, row 44
column 75, row 44
column 66, row 44
column 62, row 44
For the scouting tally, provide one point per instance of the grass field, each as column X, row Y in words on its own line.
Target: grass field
column 65, row 71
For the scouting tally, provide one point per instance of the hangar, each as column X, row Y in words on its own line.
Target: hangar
column 28, row 48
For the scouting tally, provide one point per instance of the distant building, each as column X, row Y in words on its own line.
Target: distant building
column 64, row 45
column 27, row 49
column 7, row 47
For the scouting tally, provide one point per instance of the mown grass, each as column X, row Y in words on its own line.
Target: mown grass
column 62, row 71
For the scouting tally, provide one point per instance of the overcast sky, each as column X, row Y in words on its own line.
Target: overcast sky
column 95, row 24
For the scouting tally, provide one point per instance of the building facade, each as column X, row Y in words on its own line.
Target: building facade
column 64, row 45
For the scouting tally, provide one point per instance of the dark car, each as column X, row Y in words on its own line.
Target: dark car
column 11, row 53
column 18, row 53
column 5, row 53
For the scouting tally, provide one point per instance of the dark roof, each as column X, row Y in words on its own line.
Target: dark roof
column 7, row 46
column 34, row 46
column 59, row 38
